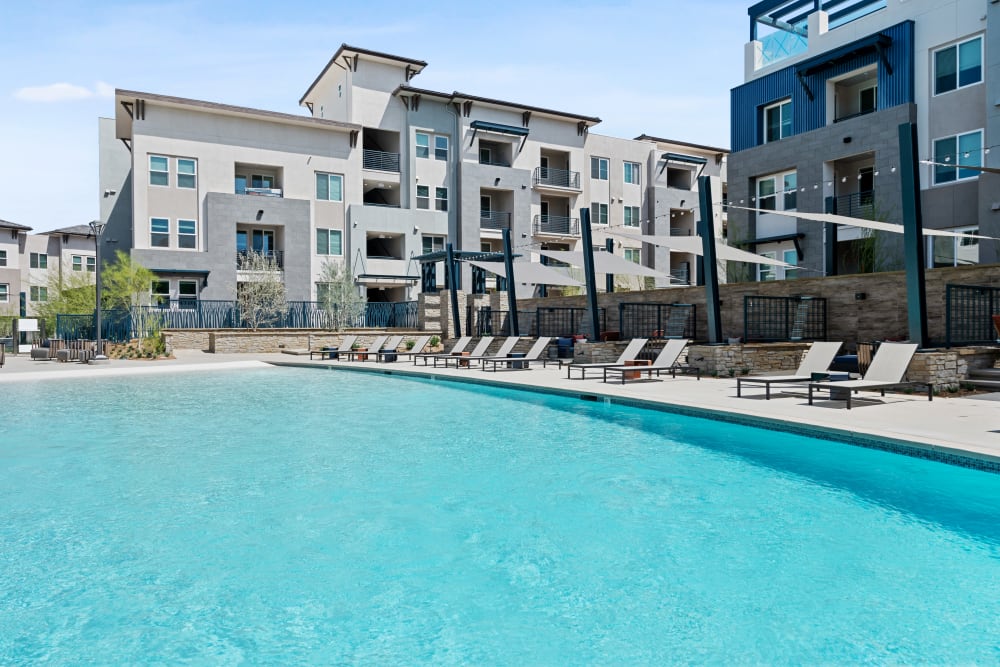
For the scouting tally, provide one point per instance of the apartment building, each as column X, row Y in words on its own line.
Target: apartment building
column 31, row 264
column 815, row 128
column 379, row 173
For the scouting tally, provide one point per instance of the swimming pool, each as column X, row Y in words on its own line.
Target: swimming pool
column 299, row 516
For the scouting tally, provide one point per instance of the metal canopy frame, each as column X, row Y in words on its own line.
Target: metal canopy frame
column 794, row 238
column 788, row 15
column 499, row 128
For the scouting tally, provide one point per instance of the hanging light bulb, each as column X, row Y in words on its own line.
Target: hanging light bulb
column 947, row 158
column 815, row 186
column 859, row 177
column 843, row 179
column 875, row 173
column 966, row 156
column 829, row 184
column 893, row 170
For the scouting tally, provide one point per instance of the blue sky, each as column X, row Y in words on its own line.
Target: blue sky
column 660, row 67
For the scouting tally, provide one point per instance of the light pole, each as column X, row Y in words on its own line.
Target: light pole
column 97, row 227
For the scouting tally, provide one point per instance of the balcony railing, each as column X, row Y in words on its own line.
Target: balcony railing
column 494, row 220
column 556, row 225
column 680, row 276
column 495, row 162
column 380, row 160
column 840, row 119
column 262, row 192
column 558, row 178
column 857, row 205
column 680, row 231
column 243, row 257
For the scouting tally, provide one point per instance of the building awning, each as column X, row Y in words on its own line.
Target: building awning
column 498, row 128
column 794, row 238
column 530, row 273
column 680, row 157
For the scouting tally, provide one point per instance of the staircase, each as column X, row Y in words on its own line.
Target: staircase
column 799, row 321
column 985, row 378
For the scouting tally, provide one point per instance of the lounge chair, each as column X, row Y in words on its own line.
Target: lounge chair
column 478, row 351
column 473, row 359
column 387, row 352
column 816, row 360
column 665, row 362
column 518, row 363
column 887, row 370
column 631, row 352
column 330, row 352
column 418, row 347
column 459, row 346
column 362, row 353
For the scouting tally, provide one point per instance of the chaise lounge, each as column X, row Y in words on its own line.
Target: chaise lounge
column 665, row 362
column 887, row 371
column 459, row 357
column 520, row 363
column 330, row 352
column 816, row 360
column 475, row 359
column 631, row 352
column 459, row 346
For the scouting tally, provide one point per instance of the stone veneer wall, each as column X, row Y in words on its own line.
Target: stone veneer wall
column 225, row 341
column 723, row 360
column 947, row 369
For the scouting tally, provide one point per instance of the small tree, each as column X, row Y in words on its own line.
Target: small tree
column 339, row 297
column 262, row 296
column 73, row 294
column 125, row 283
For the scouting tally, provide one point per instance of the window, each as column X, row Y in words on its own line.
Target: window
column 4, row 292
column 159, row 170
column 765, row 272
column 485, row 155
column 329, row 187
column 868, row 99
column 769, row 187
column 187, row 294
column 631, row 216
column 440, row 148
column 187, row 234
column 159, row 293
column 790, row 257
column 77, row 263
column 433, row 243
column 423, row 197
column 423, row 145
column 778, row 121
column 599, row 168
column 441, row 199
column 159, row 232
column 91, row 264
column 633, row 255
column 3, row 258
column 962, row 149
column 39, row 293
column 599, row 213
column 954, row 251
column 38, row 260
column 187, row 173
column 958, row 65
column 632, row 172
column 328, row 242
column 261, row 181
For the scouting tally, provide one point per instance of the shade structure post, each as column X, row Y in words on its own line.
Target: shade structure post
column 609, row 278
column 508, row 263
column 831, row 238
column 913, row 235
column 453, row 287
column 706, row 227
column 588, row 272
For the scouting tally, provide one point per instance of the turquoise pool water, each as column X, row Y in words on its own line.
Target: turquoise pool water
column 290, row 516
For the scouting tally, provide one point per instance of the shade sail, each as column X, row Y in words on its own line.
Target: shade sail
column 604, row 262
column 529, row 273
column 692, row 244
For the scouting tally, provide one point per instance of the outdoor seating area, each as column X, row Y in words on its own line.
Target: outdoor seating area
column 887, row 371
column 665, row 362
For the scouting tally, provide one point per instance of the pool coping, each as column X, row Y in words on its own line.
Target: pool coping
column 913, row 448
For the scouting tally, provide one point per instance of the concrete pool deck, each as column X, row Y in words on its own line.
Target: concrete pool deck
column 963, row 426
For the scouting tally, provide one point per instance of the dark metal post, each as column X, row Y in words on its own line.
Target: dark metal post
column 913, row 234
column 706, row 227
column 588, row 272
column 453, row 286
column 831, row 239
column 543, row 290
column 609, row 278
column 508, row 263
column 97, row 227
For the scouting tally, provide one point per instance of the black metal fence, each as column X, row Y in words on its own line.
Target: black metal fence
column 969, row 311
column 559, row 322
column 778, row 318
column 658, row 320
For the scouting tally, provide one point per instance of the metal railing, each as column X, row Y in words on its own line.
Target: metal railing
column 566, row 321
column 494, row 220
column 555, row 225
column 840, row 119
column 262, row 192
column 969, row 311
column 380, row 160
column 559, row 178
column 680, row 276
column 680, row 231
column 486, row 321
column 783, row 318
column 657, row 320
column 857, row 205
column 276, row 256
column 494, row 162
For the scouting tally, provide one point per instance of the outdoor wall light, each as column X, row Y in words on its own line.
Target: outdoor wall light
column 860, row 296
column 260, row 214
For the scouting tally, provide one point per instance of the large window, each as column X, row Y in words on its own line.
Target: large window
column 39, row 293
column 777, row 192
column 187, row 234
column 159, row 293
column 4, row 292
column 159, row 232
column 77, row 262
column 599, row 213
column 329, row 187
column 958, row 65
column 765, row 272
column 3, row 258
column 38, row 260
column 187, row 294
column 91, row 264
column 962, row 149
column 632, row 172
column 432, row 243
column 599, row 168
column 441, row 199
column 329, row 242
column 631, row 216
column 423, row 145
column 423, row 196
column 634, row 255
column 440, row 148
column 159, row 170
column 954, row 250
column 778, row 121
column 187, row 173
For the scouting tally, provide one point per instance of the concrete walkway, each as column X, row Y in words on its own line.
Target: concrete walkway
column 968, row 427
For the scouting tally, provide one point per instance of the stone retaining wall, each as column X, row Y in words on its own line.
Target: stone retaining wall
column 229, row 341
column 947, row 369
column 754, row 358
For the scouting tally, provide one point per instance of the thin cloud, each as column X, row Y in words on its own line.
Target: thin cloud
column 63, row 92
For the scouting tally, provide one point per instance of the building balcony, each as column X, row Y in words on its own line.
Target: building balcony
column 261, row 192
column 494, row 220
column 857, row 205
column 276, row 256
column 563, row 179
column 380, row 161
column 555, row 225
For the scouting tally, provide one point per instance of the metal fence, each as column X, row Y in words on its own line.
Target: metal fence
column 564, row 322
column 778, row 318
column 486, row 321
column 969, row 311
column 657, row 320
